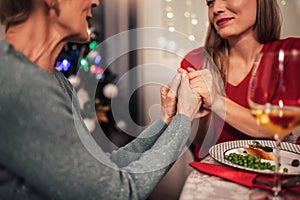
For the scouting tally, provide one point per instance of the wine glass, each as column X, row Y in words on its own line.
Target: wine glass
column 274, row 98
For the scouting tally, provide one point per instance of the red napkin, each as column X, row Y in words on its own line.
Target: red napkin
column 236, row 175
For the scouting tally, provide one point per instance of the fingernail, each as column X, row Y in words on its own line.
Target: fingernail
column 184, row 75
column 190, row 69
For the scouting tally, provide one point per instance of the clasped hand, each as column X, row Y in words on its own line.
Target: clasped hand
column 177, row 97
column 201, row 82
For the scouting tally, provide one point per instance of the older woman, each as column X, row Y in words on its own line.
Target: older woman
column 41, row 154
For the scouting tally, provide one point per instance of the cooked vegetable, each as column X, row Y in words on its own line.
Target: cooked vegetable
column 249, row 161
column 258, row 145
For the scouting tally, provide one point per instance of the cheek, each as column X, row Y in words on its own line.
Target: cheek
column 249, row 13
column 210, row 16
column 253, row 15
column 249, row 18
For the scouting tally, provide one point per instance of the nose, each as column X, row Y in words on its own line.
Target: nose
column 219, row 6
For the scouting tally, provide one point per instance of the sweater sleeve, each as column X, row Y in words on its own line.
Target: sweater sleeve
column 133, row 150
column 154, row 163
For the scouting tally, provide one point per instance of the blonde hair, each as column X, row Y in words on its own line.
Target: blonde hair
column 13, row 12
column 267, row 28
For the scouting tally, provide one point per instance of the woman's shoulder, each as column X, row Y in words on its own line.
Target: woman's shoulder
column 284, row 44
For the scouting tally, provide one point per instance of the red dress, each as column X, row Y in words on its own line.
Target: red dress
column 237, row 93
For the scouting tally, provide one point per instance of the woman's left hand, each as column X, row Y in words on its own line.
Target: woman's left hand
column 201, row 82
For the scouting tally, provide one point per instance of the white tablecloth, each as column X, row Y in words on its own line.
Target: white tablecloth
column 202, row 186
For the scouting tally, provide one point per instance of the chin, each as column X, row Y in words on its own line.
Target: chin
column 84, row 39
column 81, row 38
column 224, row 36
column 86, row 36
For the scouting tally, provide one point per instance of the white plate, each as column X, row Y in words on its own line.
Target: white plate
column 288, row 153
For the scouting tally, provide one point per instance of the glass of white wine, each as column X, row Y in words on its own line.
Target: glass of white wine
column 274, row 99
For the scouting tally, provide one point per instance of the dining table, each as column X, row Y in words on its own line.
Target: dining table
column 200, row 185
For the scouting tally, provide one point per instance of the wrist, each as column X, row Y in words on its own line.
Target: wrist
column 219, row 106
column 188, row 115
column 166, row 119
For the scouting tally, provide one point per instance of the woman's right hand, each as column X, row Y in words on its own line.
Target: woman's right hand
column 189, row 102
column 168, row 96
column 201, row 82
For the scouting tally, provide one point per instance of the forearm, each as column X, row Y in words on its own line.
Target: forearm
column 239, row 117
column 154, row 163
column 202, row 128
column 132, row 151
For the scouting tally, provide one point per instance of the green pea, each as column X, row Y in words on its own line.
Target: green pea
column 249, row 161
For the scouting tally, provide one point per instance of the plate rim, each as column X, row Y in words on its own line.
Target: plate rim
column 219, row 157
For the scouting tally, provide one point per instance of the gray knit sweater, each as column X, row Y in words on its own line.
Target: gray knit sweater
column 44, row 153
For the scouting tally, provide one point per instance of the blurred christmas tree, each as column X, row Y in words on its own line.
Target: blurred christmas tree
column 73, row 58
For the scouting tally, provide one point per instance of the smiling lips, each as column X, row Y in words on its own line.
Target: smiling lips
column 223, row 21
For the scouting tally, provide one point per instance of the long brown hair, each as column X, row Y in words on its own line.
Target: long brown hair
column 13, row 12
column 267, row 28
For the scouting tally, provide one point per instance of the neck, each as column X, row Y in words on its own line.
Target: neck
column 245, row 47
column 242, row 54
column 37, row 40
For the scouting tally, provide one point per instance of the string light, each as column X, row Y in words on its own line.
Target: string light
column 172, row 29
column 98, row 59
column 96, row 69
column 93, row 45
column 283, row 2
column 170, row 15
column 63, row 65
column 194, row 21
column 186, row 14
column 191, row 18
column 169, row 9
column 192, row 37
column 84, row 64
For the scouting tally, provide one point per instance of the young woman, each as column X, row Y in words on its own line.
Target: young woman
column 238, row 31
column 42, row 153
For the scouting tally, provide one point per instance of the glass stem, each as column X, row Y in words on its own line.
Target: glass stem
column 277, row 183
